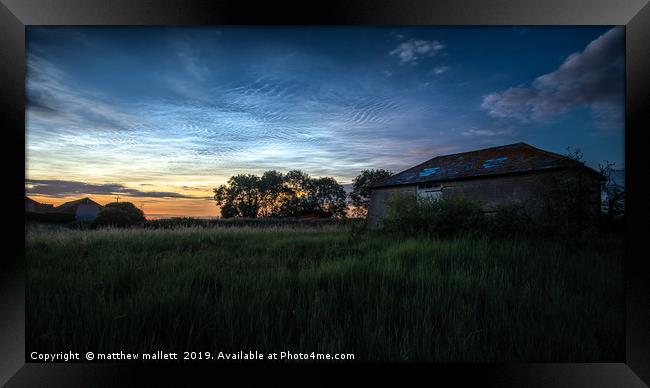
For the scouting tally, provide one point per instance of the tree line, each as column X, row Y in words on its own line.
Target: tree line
column 296, row 194
column 293, row 194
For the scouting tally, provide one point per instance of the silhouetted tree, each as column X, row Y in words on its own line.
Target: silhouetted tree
column 272, row 191
column 119, row 214
column 228, row 211
column 242, row 194
column 323, row 197
column 327, row 198
column 280, row 195
column 360, row 194
column 614, row 201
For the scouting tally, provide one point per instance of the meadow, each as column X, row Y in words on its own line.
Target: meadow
column 328, row 289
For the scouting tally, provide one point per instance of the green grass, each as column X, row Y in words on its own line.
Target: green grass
column 303, row 290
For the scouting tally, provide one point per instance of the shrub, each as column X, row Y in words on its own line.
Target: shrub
column 119, row 214
column 512, row 220
column 444, row 217
column 403, row 215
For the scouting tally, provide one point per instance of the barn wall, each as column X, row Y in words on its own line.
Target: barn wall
column 522, row 189
column 378, row 208
column 493, row 191
column 497, row 191
column 87, row 212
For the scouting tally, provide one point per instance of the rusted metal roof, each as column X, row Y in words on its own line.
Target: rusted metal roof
column 506, row 159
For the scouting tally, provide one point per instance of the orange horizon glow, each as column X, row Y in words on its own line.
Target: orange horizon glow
column 153, row 208
column 171, row 114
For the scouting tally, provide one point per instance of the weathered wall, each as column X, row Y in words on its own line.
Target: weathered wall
column 87, row 212
column 494, row 191
column 498, row 191
column 378, row 208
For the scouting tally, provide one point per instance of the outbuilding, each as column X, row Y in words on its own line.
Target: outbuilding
column 32, row 206
column 510, row 174
column 84, row 209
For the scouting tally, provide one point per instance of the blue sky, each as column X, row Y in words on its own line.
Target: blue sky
column 164, row 114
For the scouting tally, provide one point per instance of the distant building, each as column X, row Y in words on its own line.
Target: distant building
column 33, row 206
column 84, row 209
column 503, row 175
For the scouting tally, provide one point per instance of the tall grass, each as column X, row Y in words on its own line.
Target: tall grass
column 466, row 299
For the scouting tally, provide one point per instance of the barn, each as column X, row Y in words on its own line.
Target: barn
column 84, row 209
column 32, row 206
column 504, row 175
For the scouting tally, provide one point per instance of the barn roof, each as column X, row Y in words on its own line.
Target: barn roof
column 506, row 159
column 75, row 203
column 27, row 199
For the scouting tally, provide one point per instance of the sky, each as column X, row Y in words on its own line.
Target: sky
column 159, row 116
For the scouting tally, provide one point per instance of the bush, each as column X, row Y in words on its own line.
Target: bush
column 512, row 220
column 119, row 214
column 444, row 217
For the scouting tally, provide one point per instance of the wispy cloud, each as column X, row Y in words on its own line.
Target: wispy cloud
column 412, row 50
column 51, row 98
column 486, row 132
column 592, row 78
column 255, row 123
column 190, row 57
column 190, row 107
column 439, row 70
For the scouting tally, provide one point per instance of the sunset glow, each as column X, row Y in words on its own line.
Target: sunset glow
column 159, row 116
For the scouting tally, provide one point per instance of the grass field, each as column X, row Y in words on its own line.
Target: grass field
column 302, row 290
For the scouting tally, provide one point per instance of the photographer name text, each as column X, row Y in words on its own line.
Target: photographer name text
column 192, row 356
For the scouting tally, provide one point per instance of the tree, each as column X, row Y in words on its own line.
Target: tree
column 297, row 182
column 240, row 195
column 614, row 199
column 327, row 198
column 324, row 197
column 280, row 195
column 361, row 189
column 228, row 211
column 296, row 202
column 272, row 190
column 119, row 214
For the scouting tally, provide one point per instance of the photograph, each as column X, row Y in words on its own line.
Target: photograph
column 325, row 194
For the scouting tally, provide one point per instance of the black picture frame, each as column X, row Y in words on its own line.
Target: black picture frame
column 15, row 15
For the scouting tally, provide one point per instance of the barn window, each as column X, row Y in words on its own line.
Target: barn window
column 430, row 192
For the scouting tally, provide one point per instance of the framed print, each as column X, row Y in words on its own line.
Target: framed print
column 448, row 189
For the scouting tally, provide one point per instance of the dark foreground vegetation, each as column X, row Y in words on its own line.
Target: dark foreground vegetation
column 336, row 288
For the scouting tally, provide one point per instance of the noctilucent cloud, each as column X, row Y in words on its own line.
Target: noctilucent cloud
column 159, row 116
